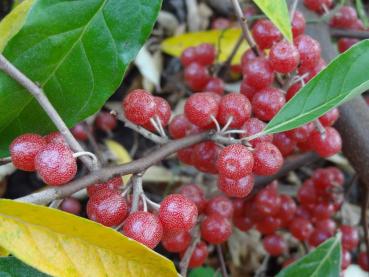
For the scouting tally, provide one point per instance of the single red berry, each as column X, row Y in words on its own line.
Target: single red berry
column 220, row 205
column 303, row 212
column 309, row 73
column 105, row 121
column 258, row 73
column 177, row 213
column 323, row 210
column 309, row 50
column 344, row 44
column 204, row 156
column 215, row 85
column 80, row 132
column 327, row 225
column 268, row 225
column 143, row 227
column 306, row 194
column 107, row 207
column 300, row 228
column 346, row 259
column 284, row 57
column 24, row 149
column 267, row 159
column 254, row 126
column 363, row 261
column 318, row 5
column 234, row 107
column 267, row 202
column 71, row 205
column 243, row 223
column 253, row 211
column 176, row 241
column 196, row 194
column 188, row 56
column 317, row 237
column 215, row 229
column 220, row 23
column 298, row 24
column 284, row 143
column 265, row 33
column 236, row 188
column 329, row 118
column 344, row 18
column 139, row 106
column 163, row 113
column 350, row 237
column 267, row 102
column 199, row 255
column 185, row 155
column 55, row 137
column 113, row 184
column 55, row 164
column 196, row 76
column 293, row 90
column 326, row 144
column 205, row 54
column 301, row 133
column 274, row 245
column 180, row 127
column 247, row 56
column 200, row 108
column 238, row 206
column 325, row 178
column 287, row 209
column 247, row 90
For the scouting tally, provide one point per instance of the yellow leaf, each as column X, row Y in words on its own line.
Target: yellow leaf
column 225, row 39
column 13, row 22
column 3, row 252
column 121, row 155
column 61, row 244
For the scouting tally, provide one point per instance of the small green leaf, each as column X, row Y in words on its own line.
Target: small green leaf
column 323, row 261
column 204, row 272
column 361, row 12
column 12, row 267
column 345, row 77
column 277, row 12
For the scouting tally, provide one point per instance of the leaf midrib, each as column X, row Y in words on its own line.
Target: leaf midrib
column 326, row 256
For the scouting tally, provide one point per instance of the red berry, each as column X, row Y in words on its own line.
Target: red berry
column 143, row 227
column 55, row 137
column 176, row 242
column 306, row 194
column 258, row 73
column 309, row 50
column 215, row 229
column 274, row 245
column 317, row 237
column 267, row 159
column 139, row 106
column 346, row 259
column 267, row 202
column 284, row 143
column 238, row 206
column 300, row 228
column 215, row 85
column 195, row 194
column 163, row 112
column 326, row 144
column 265, row 33
column 303, row 212
column 350, row 237
column 196, row 76
column 204, row 156
column 254, row 126
column 243, row 223
column 107, row 207
column 188, row 56
column 302, row 133
column 323, row 210
column 71, row 205
column 327, row 225
column 325, row 178
column 291, row 92
column 185, row 155
column 247, row 90
column 236, row 188
column 200, row 108
column 298, row 24
column 234, row 107
column 363, row 261
column 329, row 118
column 177, row 213
column 344, row 44
column 105, row 121
column 267, row 102
column 24, row 149
column 180, row 127
column 235, row 161
column 205, row 54
column 220, row 23
column 268, row 225
column 199, row 255
column 80, row 132
column 247, row 56
column 317, row 5
column 287, row 209
column 113, row 184
column 55, row 164
column 344, row 18
column 220, row 205
column 284, row 57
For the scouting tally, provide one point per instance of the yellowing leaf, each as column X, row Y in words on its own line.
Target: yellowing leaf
column 12, row 23
column 61, row 244
column 223, row 40
column 3, row 252
column 120, row 154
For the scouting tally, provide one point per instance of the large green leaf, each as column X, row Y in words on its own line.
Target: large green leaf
column 12, row 267
column 78, row 52
column 323, row 261
column 345, row 77
column 277, row 12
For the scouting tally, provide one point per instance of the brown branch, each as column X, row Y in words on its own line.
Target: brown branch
column 221, row 260
column 244, row 26
column 44, row 102
column 340, row 33
column 225, row 66
column 137, row 191
column 102, row 175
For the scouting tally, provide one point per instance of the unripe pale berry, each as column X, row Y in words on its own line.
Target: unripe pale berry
column 24, row 149
column 235, row 107
column 177, row 213
column 143, row 227
column 55, row 164
column 139, row 106
column 267, row 159
column 215, row 229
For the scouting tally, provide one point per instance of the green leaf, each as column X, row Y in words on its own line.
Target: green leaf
column 12, row 267
column 361, row 12
column 277, row 12
column 345, row 77
column 204, row 272
column 323, row 261
column 78, row 52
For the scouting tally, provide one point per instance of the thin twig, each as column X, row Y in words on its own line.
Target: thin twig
column 221, row 260
column 188, row 254
column 44, row 102
column 152, row 204
column 137, row 191
column 5, row 160
column 293, row 9
column 339, row 33
column 224, row 67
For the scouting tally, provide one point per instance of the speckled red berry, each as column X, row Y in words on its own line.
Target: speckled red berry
column 236, row 188
column 318, row 5
column 344, row 18
column 188, row 56
column 194, row 193
column 55, row 137
column 105, row 121
column 24, row 149
column 267, row 159
column 113, row 184
column 220, row 205
column 284, row 57
column 199, row 255
column 176, row 241
column 329, row 118
column 268, row 225
column 215, row 85
column 254, row 126
column 55, row 164
column 196, row 76
column 235, row 108
column 309, row 50
column 298, row 24
column 287, row 209
column 163, row 113
column 139, row 106
column 301, row 228
column 247, row 90
column 350, row 237
column 205, row 54
column 267, row 102
column 284, row 143
column 326, row 144
column 267, row 202
column 204, row 156
column 265, row 33
column 258, row 73
column 317, row 237
column 215, row 229
column 274, row 245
